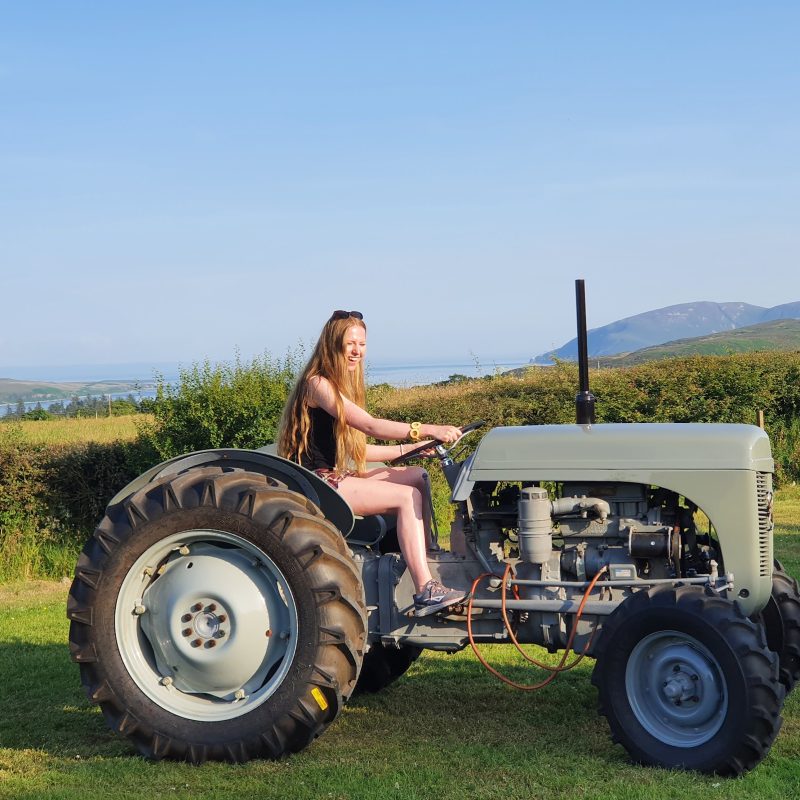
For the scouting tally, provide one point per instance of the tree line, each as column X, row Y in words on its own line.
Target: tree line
column 95, row 406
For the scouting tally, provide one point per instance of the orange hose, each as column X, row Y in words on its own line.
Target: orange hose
column 513, row 637
column 554, row 671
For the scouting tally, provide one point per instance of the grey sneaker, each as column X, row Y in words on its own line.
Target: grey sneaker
column 435, row 597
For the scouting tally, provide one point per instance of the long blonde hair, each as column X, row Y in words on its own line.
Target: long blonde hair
column 327, row 361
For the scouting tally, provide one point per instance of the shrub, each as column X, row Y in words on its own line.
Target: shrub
column 220, row 405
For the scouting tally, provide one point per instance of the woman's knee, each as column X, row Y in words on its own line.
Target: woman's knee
column 418, row 476
column 409, row 497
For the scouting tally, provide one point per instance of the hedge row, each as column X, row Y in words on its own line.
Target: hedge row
column 51, row 496
column 695, row 389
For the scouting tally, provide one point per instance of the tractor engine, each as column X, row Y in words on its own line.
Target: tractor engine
column 636, row 532
column 633, row 530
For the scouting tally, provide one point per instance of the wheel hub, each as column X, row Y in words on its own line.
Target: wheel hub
column 206, row 622
column 675, row 689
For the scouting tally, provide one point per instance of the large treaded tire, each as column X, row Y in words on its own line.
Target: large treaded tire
column 383, row 665
column 687, row 681
column 781, row 618
column 257, row 541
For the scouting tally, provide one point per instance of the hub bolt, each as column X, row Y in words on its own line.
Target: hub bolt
column 196, row 643
column 211, row 643
column 211, row 607
column 222, row 618
column 187, row 631
column 186, row 618
column 197, row 607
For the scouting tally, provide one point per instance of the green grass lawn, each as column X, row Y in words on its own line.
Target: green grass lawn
column 447, row 729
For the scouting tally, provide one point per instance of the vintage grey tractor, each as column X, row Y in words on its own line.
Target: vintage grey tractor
column 228, row 604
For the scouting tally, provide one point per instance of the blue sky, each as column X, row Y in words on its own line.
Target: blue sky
column 182, row 179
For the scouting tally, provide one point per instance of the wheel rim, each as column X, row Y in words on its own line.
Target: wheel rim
column 676, row 689
column 206, row 625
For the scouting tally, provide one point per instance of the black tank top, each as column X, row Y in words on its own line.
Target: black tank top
column 321, row 452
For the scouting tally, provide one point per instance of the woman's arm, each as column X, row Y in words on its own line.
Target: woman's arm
column 389, row 452
column 323, row 395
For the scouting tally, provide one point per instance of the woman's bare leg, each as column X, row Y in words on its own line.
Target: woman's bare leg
column 410, row 476
column 366, row 495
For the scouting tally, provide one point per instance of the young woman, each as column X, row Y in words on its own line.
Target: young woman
column 325, row 428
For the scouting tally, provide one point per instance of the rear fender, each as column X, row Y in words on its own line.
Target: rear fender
column 295, row 477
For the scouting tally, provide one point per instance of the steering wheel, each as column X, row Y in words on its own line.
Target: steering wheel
column 438, row 446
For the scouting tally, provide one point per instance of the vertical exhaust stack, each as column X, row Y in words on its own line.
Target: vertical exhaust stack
column 584, row 400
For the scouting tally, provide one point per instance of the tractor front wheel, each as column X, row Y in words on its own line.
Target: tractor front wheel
column 686, row 681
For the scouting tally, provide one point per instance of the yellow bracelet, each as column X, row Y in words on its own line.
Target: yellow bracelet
column 414, row 431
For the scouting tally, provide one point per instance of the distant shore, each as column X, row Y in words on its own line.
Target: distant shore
column 31, row 391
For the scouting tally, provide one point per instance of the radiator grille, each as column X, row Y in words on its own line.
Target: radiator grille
column 764, row 489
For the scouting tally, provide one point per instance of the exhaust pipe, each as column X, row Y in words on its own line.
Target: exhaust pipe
column 584, row 400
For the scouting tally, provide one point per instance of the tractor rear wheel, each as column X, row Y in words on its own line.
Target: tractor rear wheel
column 687, row 681
column 217, row 615
column 383, row 665
column 781, row 619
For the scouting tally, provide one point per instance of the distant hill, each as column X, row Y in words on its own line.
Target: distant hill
column 12, row 391
column 780, row 334
column 669, row 324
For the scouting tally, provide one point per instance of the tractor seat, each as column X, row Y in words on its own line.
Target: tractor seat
column 367, row 531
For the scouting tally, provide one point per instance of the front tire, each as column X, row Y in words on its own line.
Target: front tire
column 217, row 615
column 686, row 681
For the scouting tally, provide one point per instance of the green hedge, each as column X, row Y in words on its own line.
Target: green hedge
column 50, row 497
column 696, row 389
column 34, row 541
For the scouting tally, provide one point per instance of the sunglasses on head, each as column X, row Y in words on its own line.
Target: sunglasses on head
column 347, row 314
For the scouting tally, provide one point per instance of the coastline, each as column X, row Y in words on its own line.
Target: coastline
column 397, row 375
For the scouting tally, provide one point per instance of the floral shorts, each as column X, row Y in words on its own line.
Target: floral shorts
column 332, row 477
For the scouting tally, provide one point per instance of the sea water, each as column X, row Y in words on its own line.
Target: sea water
column 398, row 375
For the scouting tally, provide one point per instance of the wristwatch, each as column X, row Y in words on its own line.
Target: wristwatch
column 414, row 431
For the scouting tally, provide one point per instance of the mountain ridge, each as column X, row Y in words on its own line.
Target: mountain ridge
column 773, row 336
column 669, row 324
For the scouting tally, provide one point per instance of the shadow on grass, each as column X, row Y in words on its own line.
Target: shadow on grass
column 470, row 709
column 43, row 707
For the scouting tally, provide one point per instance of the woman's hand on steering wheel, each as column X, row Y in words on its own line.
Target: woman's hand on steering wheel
column 430, row 449
column 444, row 434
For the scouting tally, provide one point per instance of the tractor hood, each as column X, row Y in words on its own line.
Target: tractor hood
column 566, row 452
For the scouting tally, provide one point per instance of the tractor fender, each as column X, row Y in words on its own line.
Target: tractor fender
column 295, row 477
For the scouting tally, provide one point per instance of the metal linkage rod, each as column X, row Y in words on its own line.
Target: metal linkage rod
column 702, row 580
